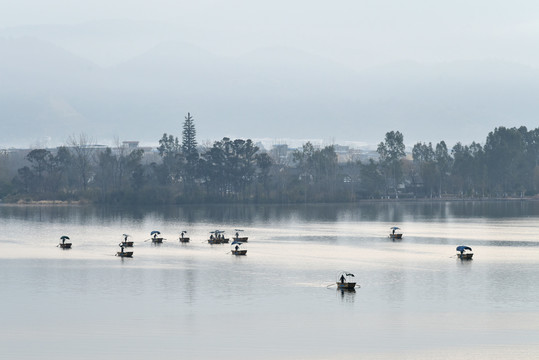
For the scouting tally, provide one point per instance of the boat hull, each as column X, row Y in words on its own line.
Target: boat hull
column 395, row 236
column 157, row 240
column 127, row 243
column 124, row 254
column 239, row 252
column 241, row 239
column 184, row 240
column 65, row 245
column 465, row 256
column 346, row 286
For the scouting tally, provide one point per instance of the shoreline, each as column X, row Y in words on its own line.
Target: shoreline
column 404, row 200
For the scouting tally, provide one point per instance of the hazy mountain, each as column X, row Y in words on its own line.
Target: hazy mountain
column 270, row 93
column 105, row 42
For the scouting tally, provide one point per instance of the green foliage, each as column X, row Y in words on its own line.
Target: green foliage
column 236, row 171
column 391, row 152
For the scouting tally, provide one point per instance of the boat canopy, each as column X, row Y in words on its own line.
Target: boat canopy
column 155, row 232
column 462, row 248
column 395, row 228
column 345, row 275
column 64, row 237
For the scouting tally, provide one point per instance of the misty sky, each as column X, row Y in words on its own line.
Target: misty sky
column 434, row 70
column 353, row 32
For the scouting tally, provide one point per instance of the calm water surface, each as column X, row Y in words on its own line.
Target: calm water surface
column 196, row 301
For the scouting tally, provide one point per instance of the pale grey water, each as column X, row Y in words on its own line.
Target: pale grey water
column 196, row 301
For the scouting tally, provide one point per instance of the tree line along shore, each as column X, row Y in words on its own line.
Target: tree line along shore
column 506, row 166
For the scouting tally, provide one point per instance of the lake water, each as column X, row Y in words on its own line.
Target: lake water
column 197, row 301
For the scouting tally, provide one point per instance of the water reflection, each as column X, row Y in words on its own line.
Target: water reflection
column 347, row 295
column 247, row 214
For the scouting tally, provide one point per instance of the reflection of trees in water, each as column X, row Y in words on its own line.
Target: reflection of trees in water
column 393, row 212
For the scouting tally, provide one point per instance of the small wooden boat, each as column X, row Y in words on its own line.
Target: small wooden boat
column 345, row 282
column 217, row 237
column 464, row 252
column 125, row 254
column 64, row 245
column 126, row 243
column 239, row 252
column 393, row 234
column 239, row 239
column 182, row 238
column 154, row 238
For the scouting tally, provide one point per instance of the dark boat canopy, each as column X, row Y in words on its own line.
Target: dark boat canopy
column 462, row 248
column 64, row 237
column 155, row 232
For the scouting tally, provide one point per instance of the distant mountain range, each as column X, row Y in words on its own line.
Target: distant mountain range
column 47, row 92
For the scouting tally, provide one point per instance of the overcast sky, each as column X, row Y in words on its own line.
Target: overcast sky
column 353, row 32
column 378, row 39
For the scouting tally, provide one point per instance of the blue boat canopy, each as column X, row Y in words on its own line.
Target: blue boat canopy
column 155, row 232
column 394, row 228
column 65, row 237
column 462, row 248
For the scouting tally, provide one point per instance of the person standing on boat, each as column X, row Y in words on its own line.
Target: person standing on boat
column 122, row 249
column 393, row 231
column 237, row 247
column 342, row 278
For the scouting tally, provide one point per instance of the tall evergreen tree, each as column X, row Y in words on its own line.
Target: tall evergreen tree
column 189, row 147
column 189, row 142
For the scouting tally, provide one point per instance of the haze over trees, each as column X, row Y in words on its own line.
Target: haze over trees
column 236, row 170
